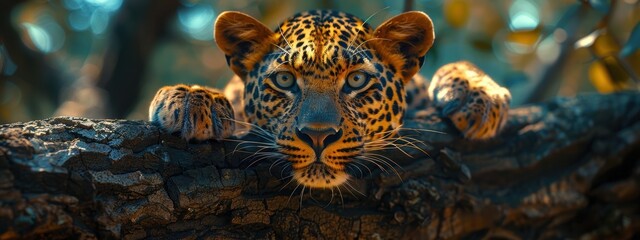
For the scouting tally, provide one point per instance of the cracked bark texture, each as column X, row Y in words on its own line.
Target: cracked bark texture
column 567, row 168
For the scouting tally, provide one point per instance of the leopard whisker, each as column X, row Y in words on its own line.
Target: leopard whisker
column 249, row 141
column 337, row 58
column 249, row 124
column 253, row 153
column 381, row 141
column 288, row 182
column 256, row 160
column 243, row 150
column 257, row 130
column 362, row 26
column 284, row 50
column 255, row 143
column 350, row 167
column 399, row 148
column 302, row 194
column 285, row 168
column 260, row 132
column 249, row 144
column 362, row 51
column 285, row 177
column 292, row 192
column 365, row 166
column 273, row 70
column 366, row 41
column 360, row 170
column 383, row 160
column 387, row 133
column 411, row 143
column 284, row 38
column 277, row 54
column 269, row 139
column 376, row 161
column 259, row 158
column 311, row 194
column 368, row 159
column 413, row 140
column 260, row 153
column 387, row 140
column 402, row 127
column 240, row 147
column 340, row 192
column 330, row 200
column 421, row 130
column 386, row 160
column 277, row 162
column 354, row 189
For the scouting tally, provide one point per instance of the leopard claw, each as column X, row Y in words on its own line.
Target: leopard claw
column 196, row 113
column 474, row 103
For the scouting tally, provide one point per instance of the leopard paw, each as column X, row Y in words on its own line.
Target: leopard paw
column 476, row 105
column 197, row 113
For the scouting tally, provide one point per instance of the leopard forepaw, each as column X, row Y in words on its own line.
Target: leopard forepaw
column 196, row 113
column 476, row 105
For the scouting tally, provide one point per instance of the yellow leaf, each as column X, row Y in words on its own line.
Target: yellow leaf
column 456, row 12
column 605, row 45
column 524, row 37
column 608, row 76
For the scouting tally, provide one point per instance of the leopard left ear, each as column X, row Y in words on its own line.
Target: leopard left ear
column 407, row 36
column 242, row 38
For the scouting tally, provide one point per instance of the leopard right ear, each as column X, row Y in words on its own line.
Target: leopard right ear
column 406, row 37
column 240, row 37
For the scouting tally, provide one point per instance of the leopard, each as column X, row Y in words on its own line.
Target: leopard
column 325, row 90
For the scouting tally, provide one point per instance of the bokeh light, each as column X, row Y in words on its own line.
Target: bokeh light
column 99, row 21
column 79, row 20
column 45, row 34
column 106, row 5
column 197, row 21
column 514, row 41
column 548, row 50
column 523, row 15
column 91, row 14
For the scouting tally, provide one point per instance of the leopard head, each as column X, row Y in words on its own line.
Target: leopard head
column 325, row 83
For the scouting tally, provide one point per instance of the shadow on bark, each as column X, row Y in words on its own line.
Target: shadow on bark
column 567, row 168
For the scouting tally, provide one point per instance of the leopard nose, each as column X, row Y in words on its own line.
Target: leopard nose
column 318, row 137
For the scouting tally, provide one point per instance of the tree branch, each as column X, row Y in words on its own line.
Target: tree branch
column 563, row 169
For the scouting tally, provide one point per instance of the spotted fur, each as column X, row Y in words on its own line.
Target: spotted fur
column 330, row 90
column 196, row 112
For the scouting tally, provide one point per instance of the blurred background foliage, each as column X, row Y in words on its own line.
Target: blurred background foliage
column 106, row 58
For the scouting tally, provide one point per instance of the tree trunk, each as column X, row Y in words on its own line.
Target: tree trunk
column 563, row 169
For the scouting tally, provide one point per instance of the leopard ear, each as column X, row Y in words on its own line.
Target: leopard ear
column 242, row 38
column 407, row 36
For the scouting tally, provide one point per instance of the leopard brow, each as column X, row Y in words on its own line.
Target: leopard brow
column 277, row 68
column 360, row 62
column 363, row 24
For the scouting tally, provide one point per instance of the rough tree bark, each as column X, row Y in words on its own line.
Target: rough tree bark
column 564, row 169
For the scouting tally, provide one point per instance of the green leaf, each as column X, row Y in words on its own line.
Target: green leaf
column 633, row 43
column 569, row 15
column 600, row 5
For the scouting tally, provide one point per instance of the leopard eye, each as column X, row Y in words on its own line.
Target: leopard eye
column 285, row 80
column 357, row 80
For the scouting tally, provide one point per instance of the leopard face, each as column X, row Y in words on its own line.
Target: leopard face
column 325, row 84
